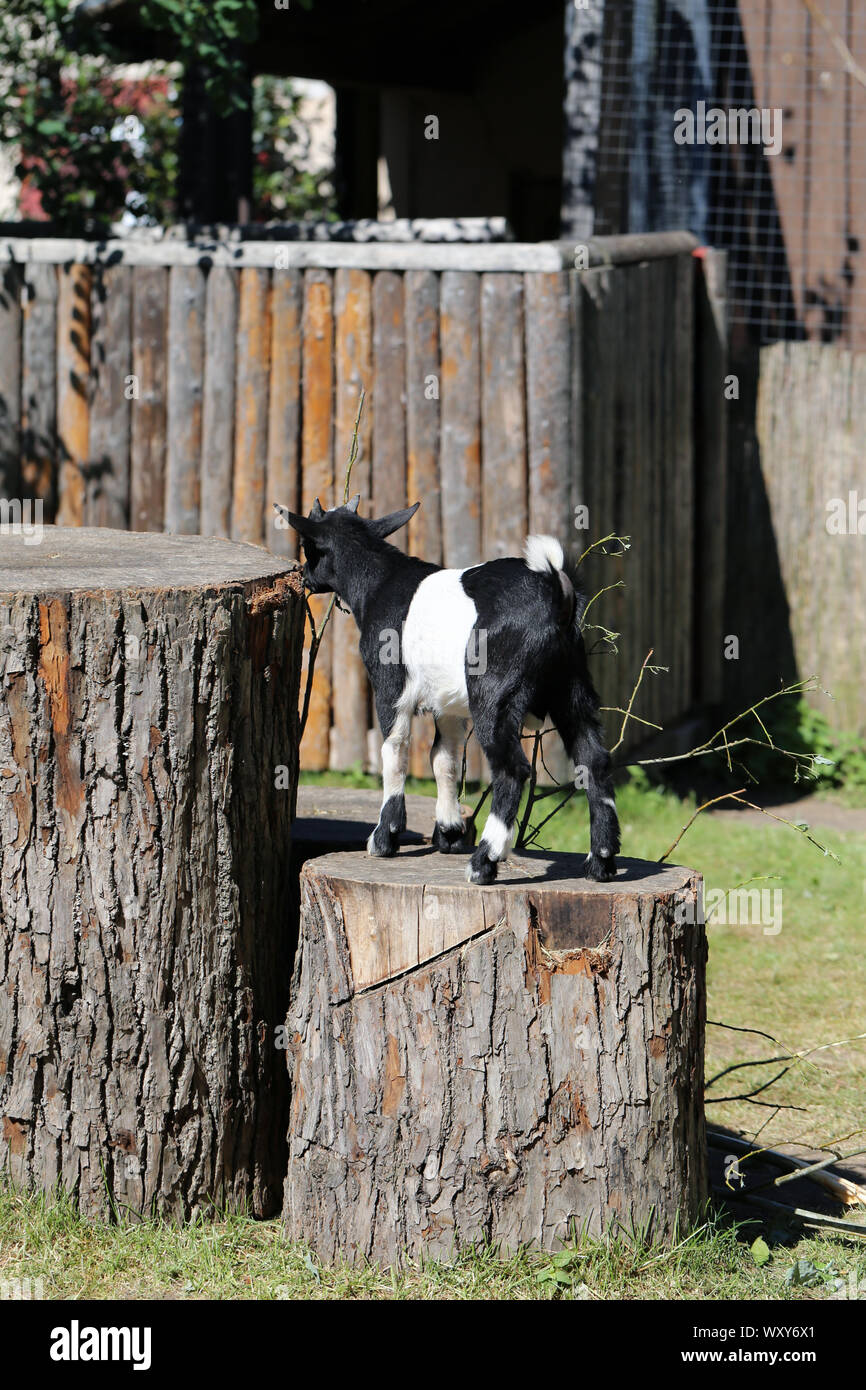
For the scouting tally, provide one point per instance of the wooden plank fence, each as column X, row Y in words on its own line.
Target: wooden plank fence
column 160, row 385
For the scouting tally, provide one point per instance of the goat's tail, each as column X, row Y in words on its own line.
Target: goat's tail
column 544, row 555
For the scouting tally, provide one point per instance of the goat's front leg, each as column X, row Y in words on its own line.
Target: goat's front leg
column 450, row 835
column 385, row 839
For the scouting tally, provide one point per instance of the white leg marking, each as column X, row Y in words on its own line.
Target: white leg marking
column 609, row 801
column 496, row 839
column 444, row 763
column 395, row 757
column 395, row 764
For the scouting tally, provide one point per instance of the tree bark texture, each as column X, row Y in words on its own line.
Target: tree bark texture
column 512, row 1063
column 148, row 699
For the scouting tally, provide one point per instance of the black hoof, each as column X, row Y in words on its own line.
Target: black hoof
column 454, row 839
column 599, row 869
column 385, row 839
column 480, row 869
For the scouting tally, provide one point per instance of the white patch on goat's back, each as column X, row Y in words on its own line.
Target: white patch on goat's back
column 437, row 627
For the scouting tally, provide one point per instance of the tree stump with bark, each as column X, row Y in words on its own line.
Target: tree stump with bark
column 514, row 1063
column 148, row 767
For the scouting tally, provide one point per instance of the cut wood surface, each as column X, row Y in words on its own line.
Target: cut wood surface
column 507, row 1063
column 148, row 761
column 332, row 818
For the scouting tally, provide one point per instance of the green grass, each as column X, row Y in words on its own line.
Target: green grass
column 805, row 986
column 238, row 1258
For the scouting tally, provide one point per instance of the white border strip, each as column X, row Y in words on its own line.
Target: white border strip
column 285, row 255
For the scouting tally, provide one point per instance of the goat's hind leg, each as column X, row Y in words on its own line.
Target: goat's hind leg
column 510, row 770
column 577, row 721
column 385, row 839
column 450, row 835
column 604, row 836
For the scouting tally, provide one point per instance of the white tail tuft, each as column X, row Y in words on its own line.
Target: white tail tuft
column 543, row 553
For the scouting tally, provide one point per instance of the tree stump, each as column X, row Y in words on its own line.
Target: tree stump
column 513, row 1063
column 148, row 766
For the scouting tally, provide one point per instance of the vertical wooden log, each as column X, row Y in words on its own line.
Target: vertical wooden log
column 655, row 572
column 149, row 359
column 785, row 84
column 423, row 383
column 503, row 417
column 284, row 410
column 625, row 405
column 353, row 351
column 856, row 40
column 711, row 474
column 186, row 317
column 389, row 384
column 460, row 457
column 251, row 420
column 389, row 422
column 826, row 212
column 218, row 406
column 107, row 484
column 460, row 441
column 548, row 404
column 11, row 291
column 810, row 424
column 317, row 480
column 73, row 390
column 550, row 458
column 639, row 560
column 39, row 386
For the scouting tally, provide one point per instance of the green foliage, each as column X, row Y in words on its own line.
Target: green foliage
column 91, row 144
column 233, row 1257
column 211, row 33
column 94, row 146
column 283, row 187
column 760, row 1251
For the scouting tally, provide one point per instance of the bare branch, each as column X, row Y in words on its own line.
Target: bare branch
column 712, row 802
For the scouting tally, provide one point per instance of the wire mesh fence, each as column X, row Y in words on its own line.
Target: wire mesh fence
column 738, row 119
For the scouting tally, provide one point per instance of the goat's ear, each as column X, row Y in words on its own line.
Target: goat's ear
column 383, row 526
column 304, row 525
column 317, row 511
column 353, row 505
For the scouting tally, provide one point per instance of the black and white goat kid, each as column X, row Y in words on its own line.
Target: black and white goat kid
column 498, row 643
